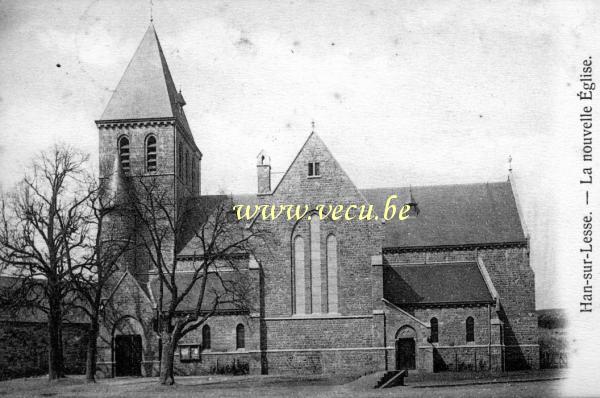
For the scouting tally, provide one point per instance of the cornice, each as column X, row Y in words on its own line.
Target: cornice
column 468, row 246
column 159, row 121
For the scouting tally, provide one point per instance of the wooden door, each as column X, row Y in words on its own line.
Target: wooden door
column 405, row 354
column 128, row 355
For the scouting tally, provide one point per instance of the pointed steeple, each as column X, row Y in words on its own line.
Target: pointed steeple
column 146, row 90
column 414, row 206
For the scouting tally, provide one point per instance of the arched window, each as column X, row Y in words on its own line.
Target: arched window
column 206, row 337
column 124, row 153
column 151, row 154
column 187, row 167
column 332, row 272
column 434, row 330
column 239, row 336
column 193, row 174
column 299, row 275
column 470, row 329
column 315, row 263
column 180, row 161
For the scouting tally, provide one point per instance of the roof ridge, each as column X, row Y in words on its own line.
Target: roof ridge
column 436, row 185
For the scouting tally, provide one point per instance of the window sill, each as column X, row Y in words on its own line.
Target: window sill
column 311, row 177
column 318, row 315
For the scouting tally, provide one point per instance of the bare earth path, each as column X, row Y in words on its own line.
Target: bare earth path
column 261, row 386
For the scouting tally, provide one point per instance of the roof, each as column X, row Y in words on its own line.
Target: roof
column 440, row 283
column 451, row 215
column 14, row 286
column 234, row 287
column 199, row 209
column 146, row 90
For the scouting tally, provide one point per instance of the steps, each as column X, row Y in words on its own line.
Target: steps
column 392, row 378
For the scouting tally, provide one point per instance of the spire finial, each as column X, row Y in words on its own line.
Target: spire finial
column 151, row 17
column 313, row 125
column 509, row 164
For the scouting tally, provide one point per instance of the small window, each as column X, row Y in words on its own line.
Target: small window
column 124, row 153
column 206, row 337
column 470, row 324
column 239, row 337
column 313, row 169
column 151, row 154
column 434, row 330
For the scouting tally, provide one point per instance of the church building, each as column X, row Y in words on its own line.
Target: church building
column 448, row 289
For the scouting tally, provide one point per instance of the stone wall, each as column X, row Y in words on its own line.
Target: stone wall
column 320, row 341
column 24, row 348
column 357, row 240
column 223, row 355
column 513, row 279
column 129, row 312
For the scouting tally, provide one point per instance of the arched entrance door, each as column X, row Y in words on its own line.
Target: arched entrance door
column 128, row 355
column 405, row 348
column 128, row 347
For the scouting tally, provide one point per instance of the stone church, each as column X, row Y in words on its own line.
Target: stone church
column 448, row 289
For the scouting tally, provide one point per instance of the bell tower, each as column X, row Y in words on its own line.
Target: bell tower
column 144, row 126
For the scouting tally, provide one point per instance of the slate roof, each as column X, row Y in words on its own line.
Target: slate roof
column 201, row 207
column 11, row 286
column 449, row 215
column 452, row 215
column 146, row 90
column 441, row 283
column 225, row 284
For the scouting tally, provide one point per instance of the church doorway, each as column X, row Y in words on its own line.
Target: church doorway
column 405, row 354
column 406, row 348
column 128, row 355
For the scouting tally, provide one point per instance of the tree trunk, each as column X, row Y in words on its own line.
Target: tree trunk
column 167, row 360
column 55, row 354
column 90, row 363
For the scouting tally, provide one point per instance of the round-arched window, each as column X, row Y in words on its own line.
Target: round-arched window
column 124, row 153
column 151, row 164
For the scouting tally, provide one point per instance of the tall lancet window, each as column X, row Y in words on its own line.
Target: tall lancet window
column 332, row 274
column 180, row 161
column 315, row 263
column 124, row 153
column 187, row 167
column 151, row 154
column 299, row 302
column 193, row 174
column 470, row 332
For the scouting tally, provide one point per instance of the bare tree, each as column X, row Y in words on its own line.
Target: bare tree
column 91, row 275
column 219, row 243
column 44, row 222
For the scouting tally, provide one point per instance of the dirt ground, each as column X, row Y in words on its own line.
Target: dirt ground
column 262, row 386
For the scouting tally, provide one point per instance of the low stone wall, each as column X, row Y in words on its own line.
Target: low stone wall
column 24, row 349
column 476, row 358
column 236, row 363
column 347, row 362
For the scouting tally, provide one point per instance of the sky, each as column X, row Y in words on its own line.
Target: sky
column 403, row 93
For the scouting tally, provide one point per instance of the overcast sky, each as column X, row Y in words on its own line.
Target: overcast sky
column 402, row 92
